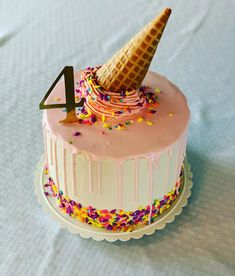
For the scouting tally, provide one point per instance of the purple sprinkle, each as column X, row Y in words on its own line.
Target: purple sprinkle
column 77, row 133
column 106, row 98
column 95, row 215
column 124, row 216
column 101, row 96
column 109, row 227
column 93, row 119
column 123, row 93
column 113, row 211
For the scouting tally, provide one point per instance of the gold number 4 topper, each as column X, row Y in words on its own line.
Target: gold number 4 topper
column 70, row 103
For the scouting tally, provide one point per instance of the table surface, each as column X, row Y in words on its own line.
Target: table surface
column 37, row 39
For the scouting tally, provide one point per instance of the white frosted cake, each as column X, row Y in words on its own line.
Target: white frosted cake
column 116, row 161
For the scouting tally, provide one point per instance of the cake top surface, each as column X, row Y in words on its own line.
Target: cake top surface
column 146, row 133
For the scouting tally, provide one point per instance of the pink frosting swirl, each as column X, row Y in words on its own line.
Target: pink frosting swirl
column 109, row 104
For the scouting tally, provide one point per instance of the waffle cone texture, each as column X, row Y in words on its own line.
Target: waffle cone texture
column 128, row 67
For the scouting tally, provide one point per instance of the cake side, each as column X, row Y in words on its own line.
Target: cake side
column 120, row 169
column 111, row 184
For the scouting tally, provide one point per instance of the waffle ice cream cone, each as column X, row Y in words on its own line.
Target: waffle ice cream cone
column 128, row 67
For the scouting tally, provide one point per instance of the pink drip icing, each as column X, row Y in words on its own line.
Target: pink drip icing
column 167, row 170
column 177, row 160
column 64, row 171
column 150, row 188
column 136, row 179
column 51, row 153
column 90, row 176
column 185, row 143
column 181, row 159
column 98, row 178
column 56, row 169
column 119, row 167
column 45, row 143
column 157, row 165
column 73, row 174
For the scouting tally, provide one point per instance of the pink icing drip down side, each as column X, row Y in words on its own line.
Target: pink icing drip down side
column 136, row 168
column 136, row 140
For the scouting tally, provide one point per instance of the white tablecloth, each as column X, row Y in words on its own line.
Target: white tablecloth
column 37, row 39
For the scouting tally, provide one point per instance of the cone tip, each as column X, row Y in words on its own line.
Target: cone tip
column 167, row 11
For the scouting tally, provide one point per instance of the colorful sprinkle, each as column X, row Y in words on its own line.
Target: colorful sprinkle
column 140, row 119
column 149, row 123
column 106, row 125
column 103, row 118
column 77, row 133
column 113, row 220
column 170, row 114
column 157, row 90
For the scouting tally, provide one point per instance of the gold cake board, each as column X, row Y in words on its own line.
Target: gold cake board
column 49, row 205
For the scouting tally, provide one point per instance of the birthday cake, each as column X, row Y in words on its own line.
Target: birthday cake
column 115, row 138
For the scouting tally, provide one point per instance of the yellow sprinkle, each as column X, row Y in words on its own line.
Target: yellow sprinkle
column 112, row 113
column 81, row 116
column 103, row 118
column 127, row 93
column 158, row 90
column 120, row 127
column 149, row 123
column 140, row 119
column 171, row 114
column 89, row 81
column 54, row 188
column 57, row 99
column 105, row 125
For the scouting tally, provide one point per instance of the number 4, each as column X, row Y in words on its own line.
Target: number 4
column 69, row 93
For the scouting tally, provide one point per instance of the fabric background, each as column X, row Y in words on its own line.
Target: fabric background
column 37, row 39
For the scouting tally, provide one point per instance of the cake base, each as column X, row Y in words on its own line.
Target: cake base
column 50, row 206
